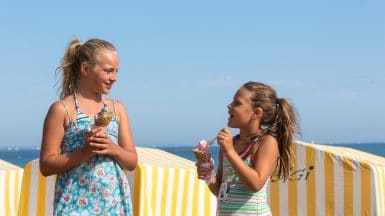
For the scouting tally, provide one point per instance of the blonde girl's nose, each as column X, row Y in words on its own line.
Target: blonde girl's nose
column 113, row 76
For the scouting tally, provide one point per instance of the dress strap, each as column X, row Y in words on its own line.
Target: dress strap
column 76, row 103
column 113, row 104
column 246, row 152
column 66, row 108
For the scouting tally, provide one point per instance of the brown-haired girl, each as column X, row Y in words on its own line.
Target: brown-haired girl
column 266, row 126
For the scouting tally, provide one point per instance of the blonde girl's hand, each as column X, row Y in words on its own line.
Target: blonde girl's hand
column 225, row 140
column 102, row 144
column 90, row 136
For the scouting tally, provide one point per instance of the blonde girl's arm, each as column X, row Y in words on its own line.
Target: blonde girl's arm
column 265, row 160
column 126, row 153
column 51, row 161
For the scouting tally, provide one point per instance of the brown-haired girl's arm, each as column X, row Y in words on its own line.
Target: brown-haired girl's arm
column 51, row 161
column 265, row 160
column 217, row 179
column 124, row 152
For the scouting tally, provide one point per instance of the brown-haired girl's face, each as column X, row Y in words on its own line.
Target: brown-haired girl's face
column 104, row 72
column 240, row 109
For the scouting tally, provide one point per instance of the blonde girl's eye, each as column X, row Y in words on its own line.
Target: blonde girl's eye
column 110, row 70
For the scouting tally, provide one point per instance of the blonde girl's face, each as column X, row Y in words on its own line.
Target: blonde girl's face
column 104, row 72
column 240, row 110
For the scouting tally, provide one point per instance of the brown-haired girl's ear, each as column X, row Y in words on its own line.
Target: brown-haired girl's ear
column 258, row 112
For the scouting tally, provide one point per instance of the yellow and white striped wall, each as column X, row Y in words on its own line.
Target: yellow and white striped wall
column 329, row 180
column 167, row 185
column 162, row 184
column 10, row 181
column 37, row 191
column 325, row 180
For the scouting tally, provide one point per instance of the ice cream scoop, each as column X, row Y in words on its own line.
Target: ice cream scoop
column 201, row 152
column 103, row 118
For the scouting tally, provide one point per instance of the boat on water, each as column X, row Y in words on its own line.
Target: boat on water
column 325, row 180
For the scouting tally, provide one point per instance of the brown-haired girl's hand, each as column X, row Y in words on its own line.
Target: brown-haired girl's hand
column 225, row 140
column 203, row 171
column 102, row 144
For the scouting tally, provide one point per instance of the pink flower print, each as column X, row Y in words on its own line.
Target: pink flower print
column 82, row 201
column 106, row 193
column 96, row 210
column 82, row 181
column 113, row 201
column 121, row 182
column 99, row 173
column 65, row 146
column 67, row 198
column 92, row 188
column 111, row 178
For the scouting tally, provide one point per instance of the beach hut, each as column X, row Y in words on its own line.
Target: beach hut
column 162, row 184
column 325, row 180
column 10, row 180
column 328, row 180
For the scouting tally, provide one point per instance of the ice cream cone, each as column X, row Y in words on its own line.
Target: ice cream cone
column 201, row 156
column 103, row 119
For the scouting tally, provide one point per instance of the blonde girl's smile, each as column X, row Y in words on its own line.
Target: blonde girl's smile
column 106, row 71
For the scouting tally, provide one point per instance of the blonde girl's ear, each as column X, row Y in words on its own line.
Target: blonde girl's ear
column 84, row 68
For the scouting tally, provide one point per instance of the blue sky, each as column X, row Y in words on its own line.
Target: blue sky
column 181, row 63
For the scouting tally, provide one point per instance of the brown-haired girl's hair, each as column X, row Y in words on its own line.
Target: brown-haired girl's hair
column 75, row 55
column 279, row 120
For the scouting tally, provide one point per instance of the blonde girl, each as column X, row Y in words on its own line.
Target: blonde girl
column 89, row 161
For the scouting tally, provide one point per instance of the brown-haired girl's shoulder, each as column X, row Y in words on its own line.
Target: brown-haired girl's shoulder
column 269, row 143
column 268, row 138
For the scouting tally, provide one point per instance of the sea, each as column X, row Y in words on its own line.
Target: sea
column 22, row 156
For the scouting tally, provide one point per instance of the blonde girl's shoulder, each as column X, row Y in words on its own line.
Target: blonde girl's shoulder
column 116, row 106
column 62, row 110
column 58, row 112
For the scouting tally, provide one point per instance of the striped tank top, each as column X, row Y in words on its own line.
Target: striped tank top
column 235, row 198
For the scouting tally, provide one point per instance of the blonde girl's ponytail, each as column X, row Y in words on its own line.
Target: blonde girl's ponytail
column 75, row 55
column 70, row 68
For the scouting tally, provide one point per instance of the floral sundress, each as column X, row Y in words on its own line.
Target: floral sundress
column 97, row 186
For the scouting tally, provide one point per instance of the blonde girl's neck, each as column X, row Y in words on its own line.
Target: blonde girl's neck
column 88, row 95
